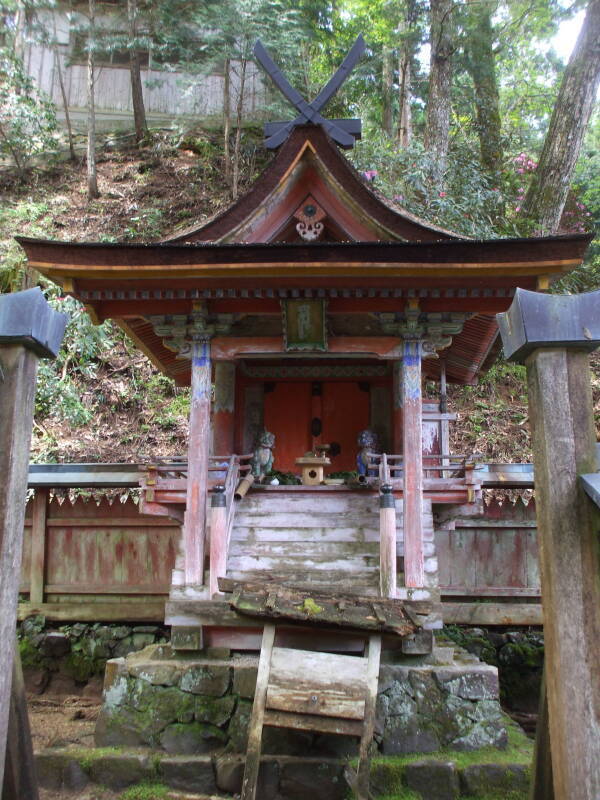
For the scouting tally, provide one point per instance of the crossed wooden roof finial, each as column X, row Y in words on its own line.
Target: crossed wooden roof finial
column 343, row 131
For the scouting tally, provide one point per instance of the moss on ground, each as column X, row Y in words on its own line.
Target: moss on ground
column 146, row 791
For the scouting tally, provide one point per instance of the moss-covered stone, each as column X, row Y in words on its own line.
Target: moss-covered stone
column 121, row 770
column 238, row 727
column 434, row 780
column 216, row 710
column 194, row 774
column 478, row 779
column 191, row 739
column 212, row 680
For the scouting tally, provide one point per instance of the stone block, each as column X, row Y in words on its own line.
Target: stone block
column 191, row 739
column 238, row 727
column 55, row 644
column 482, row 734
column 479, row 779
column 186, row 638
column 244, row 681
column 216, row 710
column 190, row 774
column 121, row 770
column 477, row 683
column 206, row 679
column 434, row 780
column 312, row 778
column 230, row 773
column 56, row 771
column 158, row 673
column 124, row 728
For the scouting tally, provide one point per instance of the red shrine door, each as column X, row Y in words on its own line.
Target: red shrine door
column 291, row 411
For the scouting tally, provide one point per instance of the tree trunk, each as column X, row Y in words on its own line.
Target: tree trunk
column 238, row 132
column 437, row 124
column 482, row 68
column 137, row 96
column 92, row 177
column 227, row 121
column 547, row 195
column 387, row 78
column 404, row 114
column 63, row 93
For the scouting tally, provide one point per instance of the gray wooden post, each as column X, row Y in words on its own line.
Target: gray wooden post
column 29, row 329
column 552, row 335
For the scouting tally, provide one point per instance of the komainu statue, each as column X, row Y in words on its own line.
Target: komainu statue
column 262, row 460
column 367, row 441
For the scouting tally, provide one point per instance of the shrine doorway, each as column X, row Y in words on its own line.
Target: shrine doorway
column 302, row 414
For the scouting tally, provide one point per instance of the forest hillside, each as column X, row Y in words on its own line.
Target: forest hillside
column 102, row 400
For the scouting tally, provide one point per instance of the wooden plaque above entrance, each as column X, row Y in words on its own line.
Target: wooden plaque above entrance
column 304, row 324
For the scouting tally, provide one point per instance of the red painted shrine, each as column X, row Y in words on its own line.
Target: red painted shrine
column 316, row 309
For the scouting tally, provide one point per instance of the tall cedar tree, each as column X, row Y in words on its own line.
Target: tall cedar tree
column 482, row 69
column 547, row 195
column 437, row 124
column 92, row 175
column 137, row 96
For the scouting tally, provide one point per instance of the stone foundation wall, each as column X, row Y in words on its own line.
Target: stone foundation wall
column 201, row 703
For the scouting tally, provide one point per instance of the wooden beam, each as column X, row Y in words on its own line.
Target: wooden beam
column 561, row 412
column 194, row 523
column 146, row 611
column 412, row 451
column 38, row 545
column 492, row 614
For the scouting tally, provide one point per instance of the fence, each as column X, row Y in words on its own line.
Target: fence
column 85, row 560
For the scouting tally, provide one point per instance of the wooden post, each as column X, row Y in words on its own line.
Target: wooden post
column 224, row 409
column 218, row 538
column 561, row 412
column 194, row 523
column 38, row 546
column 397, row 408
column 552, row 333
column 387, row 542
column 412, row 452
column 28, row 329
column 444, row 425
column 20, row 779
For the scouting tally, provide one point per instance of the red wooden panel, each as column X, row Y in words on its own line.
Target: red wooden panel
column 287, row 415
column 346, row 412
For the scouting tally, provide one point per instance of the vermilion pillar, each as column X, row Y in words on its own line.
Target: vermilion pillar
column 224, row 409
column 194, row 523
column 412, row 416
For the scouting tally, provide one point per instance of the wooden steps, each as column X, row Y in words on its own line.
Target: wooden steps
column 309, row 540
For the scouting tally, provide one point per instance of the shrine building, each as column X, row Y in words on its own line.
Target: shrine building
column 315, row 309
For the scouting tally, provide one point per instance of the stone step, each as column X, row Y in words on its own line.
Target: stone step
column 311, row 562
column 244, row 533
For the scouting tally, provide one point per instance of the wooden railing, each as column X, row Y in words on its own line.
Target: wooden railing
column 443, row 474
column 222, row 513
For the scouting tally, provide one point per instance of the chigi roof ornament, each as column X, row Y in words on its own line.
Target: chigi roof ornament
column 342, row 131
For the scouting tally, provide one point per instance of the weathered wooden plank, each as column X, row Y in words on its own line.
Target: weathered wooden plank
column 490, row 591
column 256, row 723
column 362, row 778
column 492, row 614
column 462, row 558
column 146, row 611
column 308, row 722
column 350, row 611
column 388, row 544
column 320, row 684
column 142, row 521
column 101, row 588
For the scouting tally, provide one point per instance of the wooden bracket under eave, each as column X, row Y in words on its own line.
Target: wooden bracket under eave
column 543, row 283
column 68, row 285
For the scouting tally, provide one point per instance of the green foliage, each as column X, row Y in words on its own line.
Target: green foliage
column 27, row 118
column 146, row 791
column 29, row 217
column 58, row 393
column 468, row 205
